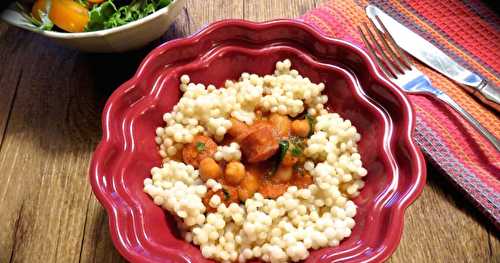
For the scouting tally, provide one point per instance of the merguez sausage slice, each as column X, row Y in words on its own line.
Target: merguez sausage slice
column 259, row 143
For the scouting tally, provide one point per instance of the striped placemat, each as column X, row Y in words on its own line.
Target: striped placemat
column 469, row 33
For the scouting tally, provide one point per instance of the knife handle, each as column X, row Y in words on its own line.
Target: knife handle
column 487, row 93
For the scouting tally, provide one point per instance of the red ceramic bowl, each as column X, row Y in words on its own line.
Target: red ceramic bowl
column 143, row 232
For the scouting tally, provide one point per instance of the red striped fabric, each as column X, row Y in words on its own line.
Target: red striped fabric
column 469, row 33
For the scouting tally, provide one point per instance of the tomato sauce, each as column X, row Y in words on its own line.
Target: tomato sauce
column 272, row 157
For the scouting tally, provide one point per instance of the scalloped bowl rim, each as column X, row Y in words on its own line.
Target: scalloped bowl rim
column 409, row 196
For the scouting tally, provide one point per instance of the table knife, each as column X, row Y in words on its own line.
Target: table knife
column 433, row 57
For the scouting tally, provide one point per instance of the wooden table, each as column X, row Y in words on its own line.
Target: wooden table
column 51, row 100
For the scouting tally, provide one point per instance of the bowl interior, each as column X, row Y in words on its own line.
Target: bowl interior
column 345, row 97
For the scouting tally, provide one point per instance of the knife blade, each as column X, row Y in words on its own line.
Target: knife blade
column 432, row 56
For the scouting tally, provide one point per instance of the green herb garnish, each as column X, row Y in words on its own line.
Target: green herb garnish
column 100, row 15
column 298, row 142
column 296, row 151
column 312, row 122
column 43, row 24
column 200, row 147
column 283, row 148
column 226, row 194
column 278, row 158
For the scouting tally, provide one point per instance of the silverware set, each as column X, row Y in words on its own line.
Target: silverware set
column 383, row 40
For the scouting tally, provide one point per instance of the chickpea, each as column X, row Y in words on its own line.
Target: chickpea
column 235, row 171
column 282, row 124
column 209, row 169
column 248, row 186
column 300, row 128
column 243, row 194
column 283, row 174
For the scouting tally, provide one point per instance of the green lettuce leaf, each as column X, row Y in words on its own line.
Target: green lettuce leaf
column 108, row 14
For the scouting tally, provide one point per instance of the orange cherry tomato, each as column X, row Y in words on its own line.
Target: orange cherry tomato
column 69, row 15
column 38, row 6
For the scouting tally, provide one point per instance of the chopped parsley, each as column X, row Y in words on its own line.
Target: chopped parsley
column 294, row 145
column 283, row 148
column 312, row 122
column 298, row 142
column 200, row 147
column 226, row 194
column 296, row 151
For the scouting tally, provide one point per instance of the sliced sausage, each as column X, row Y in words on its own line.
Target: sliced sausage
column 237, row 128
column 260, row 142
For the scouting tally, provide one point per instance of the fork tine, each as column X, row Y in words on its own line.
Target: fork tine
column 378, row 60
column 393, row 66
column 402, row 54
column 381, row 35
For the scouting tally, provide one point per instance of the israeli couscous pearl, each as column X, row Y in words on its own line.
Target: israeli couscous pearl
column 278, row 230
column 228, row 153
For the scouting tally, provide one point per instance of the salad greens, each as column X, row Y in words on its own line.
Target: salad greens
column 113, row 13
column 102, row 14
column 44, row 23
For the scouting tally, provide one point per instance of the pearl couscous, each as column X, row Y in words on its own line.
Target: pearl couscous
column 259, row 168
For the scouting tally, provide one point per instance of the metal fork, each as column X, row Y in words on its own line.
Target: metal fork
column 396, row 65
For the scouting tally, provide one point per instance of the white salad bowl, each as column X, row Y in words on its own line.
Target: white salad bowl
column 130, row 36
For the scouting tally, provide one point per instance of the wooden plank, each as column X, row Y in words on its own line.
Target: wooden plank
column 494, row 245
column 51, row 127
column 9, row 81
column 96, row 243
column 442, row 226
column 258, row 10
column 50, row 135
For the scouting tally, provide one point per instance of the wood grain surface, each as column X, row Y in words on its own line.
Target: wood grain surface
column 51, row 100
